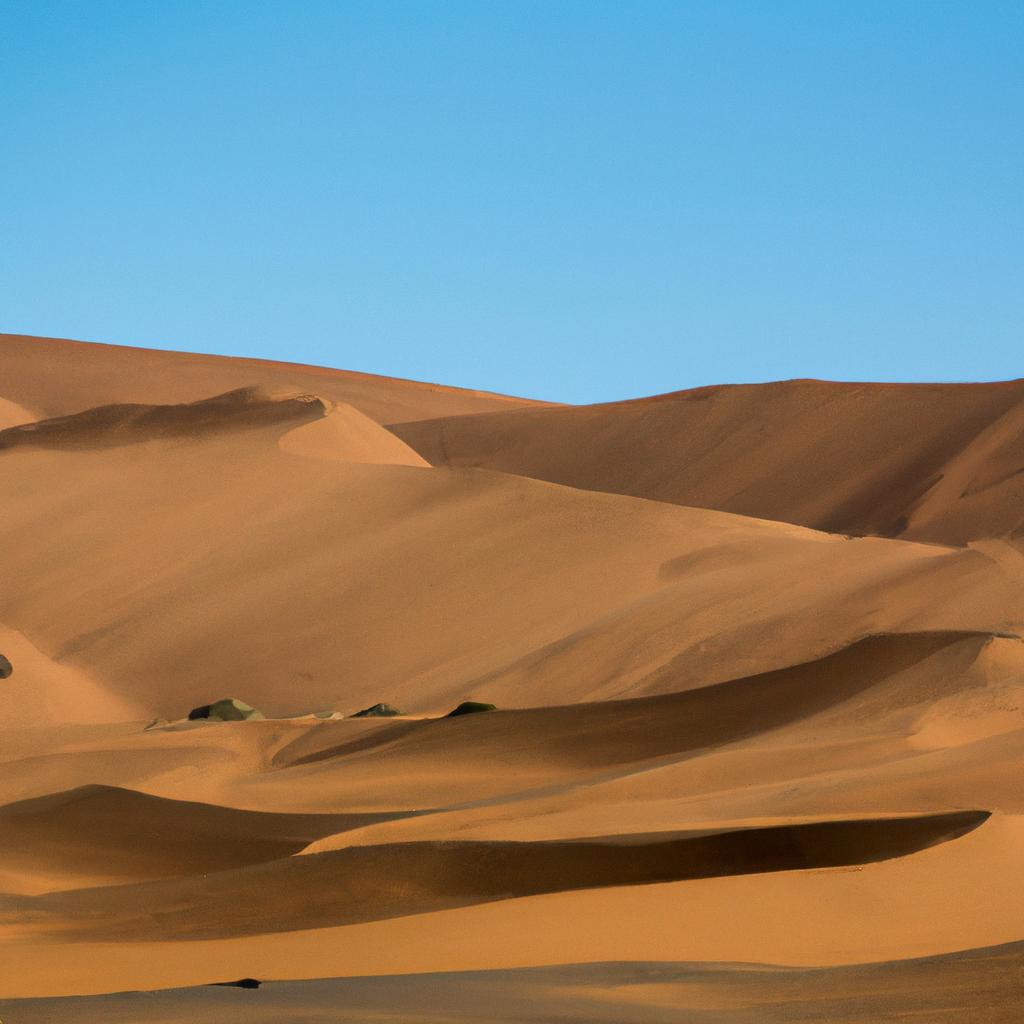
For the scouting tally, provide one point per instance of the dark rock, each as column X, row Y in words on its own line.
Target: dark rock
column 230, row 709
column 6, row 668
column 241, row 983
column 378, row 711
column 471, row 707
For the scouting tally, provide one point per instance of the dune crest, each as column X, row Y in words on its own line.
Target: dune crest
column 751, row 659
column 816, row 453
column 58, row 376
column 113, row 425
column 100, row 835
column 345, row 435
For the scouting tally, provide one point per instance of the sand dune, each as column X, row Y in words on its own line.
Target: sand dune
column 370, row 883
column 917, row 905
column 980, row 985
column 59, row 377
column 12, row 414
column 107, row 834
column 979, row 489
column 345, row 435
column 727, row 731
column 606, row 734
column 311, row 426
column 846, row 458
column 305, row 578
column 113, row 425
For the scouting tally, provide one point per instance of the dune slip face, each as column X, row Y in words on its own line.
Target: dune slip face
column 326, row 696
column 370, row 883
column 811, row 452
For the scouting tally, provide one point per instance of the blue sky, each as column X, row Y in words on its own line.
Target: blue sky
column 576, row 201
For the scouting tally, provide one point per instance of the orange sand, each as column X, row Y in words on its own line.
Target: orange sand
column 727, row 731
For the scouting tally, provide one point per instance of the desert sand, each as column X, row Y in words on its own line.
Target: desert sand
column 756, row 653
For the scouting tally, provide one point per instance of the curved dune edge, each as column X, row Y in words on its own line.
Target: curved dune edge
column 95, row 373
column 282, row 569
column 273, row 546
column 99, row 834
column 45, row 691
column 944, row 899
column 346, row 435
column 367, row 883
column 607, row 733
column 13, row 415
column 812, row 452
column 108, row 426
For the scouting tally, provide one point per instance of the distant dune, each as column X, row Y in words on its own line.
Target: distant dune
column 55, row 377
column 336, row 432
column 756, row 655
column 932, row 462
column 110, row 426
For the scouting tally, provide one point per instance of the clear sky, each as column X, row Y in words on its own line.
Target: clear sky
column 576, row 201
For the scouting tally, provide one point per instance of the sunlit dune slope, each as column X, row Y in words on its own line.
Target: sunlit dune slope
column 96, row 835
column 934, row 462
column 509, row 877
column 756, row 653
column 213, row 560
column 12, row 414
column 56, row 377
column 334, row 431
column 111, row 426
column 367, row 883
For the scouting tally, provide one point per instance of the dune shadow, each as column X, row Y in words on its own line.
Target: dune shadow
column 366, row 883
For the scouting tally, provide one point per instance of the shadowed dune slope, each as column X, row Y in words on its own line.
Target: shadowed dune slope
column 846, row 458
column 324, row 582
column 367, row 883
column 555, row 769
column 58, row 377
column 721, row 735
column 110, row 833
column 606, row 734
column 982, row 986
column 113, row 425
column 311, row 426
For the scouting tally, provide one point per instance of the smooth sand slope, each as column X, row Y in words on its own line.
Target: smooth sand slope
column 724, row 740
column 983, row 985
column 933, row 462
column 193, row 556
column 11, row 414
column 54, row 377
column 857, row 762
column 98, row 835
